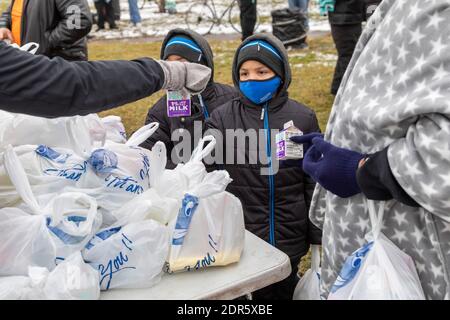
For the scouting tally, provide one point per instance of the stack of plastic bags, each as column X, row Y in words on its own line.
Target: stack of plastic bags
column 81, row 203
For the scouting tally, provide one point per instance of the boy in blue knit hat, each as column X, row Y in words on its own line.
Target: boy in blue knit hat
column 186, row 45
column 276, row 204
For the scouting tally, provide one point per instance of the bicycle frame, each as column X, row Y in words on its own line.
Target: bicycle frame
column 217, row 19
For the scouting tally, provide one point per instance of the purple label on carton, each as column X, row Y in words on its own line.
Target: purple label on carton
column 179, row 108
column 281, row 149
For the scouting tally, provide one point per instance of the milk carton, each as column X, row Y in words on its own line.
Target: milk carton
column 286, row 149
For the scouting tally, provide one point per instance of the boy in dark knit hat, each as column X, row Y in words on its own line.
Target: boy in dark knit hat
column 186, row 45
column 275, row 204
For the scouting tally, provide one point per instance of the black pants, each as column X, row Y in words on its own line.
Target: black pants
column 248, row 17
column 283, row 290
column 345, row 38
column 105, row 12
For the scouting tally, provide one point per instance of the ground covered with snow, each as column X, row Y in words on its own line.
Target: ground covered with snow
column 156, row 24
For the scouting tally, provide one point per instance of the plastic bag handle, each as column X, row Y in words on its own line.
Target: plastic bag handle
column 200, row 152
column 83, row 145
column 142, row 134
column 28, row 47
column 19, row 179
column 158, row 162
column 31, row 47
column 58, row 208
column 315, row 257
column 376, row 218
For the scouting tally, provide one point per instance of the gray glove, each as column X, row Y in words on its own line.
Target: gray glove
column 192, row 77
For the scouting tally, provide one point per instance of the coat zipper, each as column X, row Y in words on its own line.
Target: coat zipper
column 265, row 117
column 204, row 107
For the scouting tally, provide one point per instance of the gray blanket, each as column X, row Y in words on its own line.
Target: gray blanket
column 396, row 93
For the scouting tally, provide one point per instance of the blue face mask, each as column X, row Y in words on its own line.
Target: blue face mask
column 258, row 91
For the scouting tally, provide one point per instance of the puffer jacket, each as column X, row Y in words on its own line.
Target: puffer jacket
column 214, row 96
column 53, row 24
column 275, row 206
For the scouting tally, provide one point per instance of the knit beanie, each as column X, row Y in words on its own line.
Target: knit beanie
column 184, row 47
column 263, row 52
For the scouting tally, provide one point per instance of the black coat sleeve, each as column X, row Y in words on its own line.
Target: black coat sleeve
column 40, row 86
column 5, row 19
column 314, row 233
column 75, row 23
column 158, row 113
column 377, row 182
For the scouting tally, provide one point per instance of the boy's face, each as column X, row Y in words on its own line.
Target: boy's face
column 254, row 70
column 174, row 57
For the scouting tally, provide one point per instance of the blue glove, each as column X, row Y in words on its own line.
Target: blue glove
column 306, row 141
column 326, row 6
column 332, row 167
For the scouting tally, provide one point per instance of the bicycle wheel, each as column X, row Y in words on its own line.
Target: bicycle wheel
column 200, row 18
column 234, row 14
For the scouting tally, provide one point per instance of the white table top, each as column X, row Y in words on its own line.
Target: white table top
column 260, row 265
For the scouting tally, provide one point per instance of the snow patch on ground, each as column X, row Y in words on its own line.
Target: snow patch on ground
column 155, row 24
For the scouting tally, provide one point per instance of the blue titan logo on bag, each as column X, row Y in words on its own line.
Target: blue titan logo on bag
column 73, row 173
column 187, row 210
column 51, row 154
column 103, row 161
column 351, row 267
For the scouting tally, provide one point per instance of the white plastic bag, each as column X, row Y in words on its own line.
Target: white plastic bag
column 113, row 175
column 132, row 256
column 14, row 288
column 42, row 236
column 308, row 288
column 215, row 235
column 207, row 232
column 72, row 279
column 209, row 228
column 79, row 133
column 115, row 130
column 379, row 270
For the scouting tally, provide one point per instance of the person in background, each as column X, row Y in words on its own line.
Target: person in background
column 248, row 17
column 135, row 16
column 51, row 24
column 346, row 17
column 301, row 5
column 275, row 205
column 116, row 6
column 186, row 45
column 105, row 12
column 170, row 6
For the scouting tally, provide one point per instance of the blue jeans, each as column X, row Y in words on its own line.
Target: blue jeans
column 135, row 17
column 301, row 5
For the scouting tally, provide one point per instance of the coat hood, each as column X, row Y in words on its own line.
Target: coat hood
column 277, row 44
